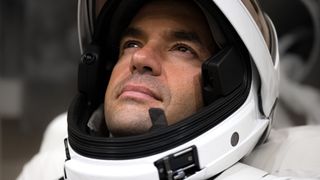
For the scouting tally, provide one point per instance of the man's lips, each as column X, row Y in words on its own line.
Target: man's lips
column 138, row 92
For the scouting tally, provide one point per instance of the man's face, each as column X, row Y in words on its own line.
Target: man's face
column 159, row 66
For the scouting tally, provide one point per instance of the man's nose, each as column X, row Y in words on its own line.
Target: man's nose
column 146, row 60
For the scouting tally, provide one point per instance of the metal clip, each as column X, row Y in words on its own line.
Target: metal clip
column 179, row 165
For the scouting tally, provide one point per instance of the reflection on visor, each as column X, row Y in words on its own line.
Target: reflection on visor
column 99, row 4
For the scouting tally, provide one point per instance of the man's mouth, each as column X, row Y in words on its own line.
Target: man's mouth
column 138, row 92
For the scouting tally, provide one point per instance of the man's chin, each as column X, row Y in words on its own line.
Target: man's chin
column 128, row 120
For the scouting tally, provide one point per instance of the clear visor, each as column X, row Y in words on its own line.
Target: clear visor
column 89, row 10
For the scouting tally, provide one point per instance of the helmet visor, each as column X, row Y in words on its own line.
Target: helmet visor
column 102, row 22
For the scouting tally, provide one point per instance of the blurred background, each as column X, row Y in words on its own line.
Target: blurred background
column 38, row 66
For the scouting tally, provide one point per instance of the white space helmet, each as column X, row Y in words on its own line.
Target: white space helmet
column 240, row 90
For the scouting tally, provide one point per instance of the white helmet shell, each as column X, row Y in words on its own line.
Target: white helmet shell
column 209, row 152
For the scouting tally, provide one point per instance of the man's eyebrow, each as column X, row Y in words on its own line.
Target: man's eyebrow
column 131, row 31
column 181, row 35
column 187, row 36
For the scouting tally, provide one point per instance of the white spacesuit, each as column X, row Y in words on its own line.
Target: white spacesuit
column 240, row 89
column 289, row 154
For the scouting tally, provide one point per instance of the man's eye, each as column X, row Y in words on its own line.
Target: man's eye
column 184, row 48
column 131, row 44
